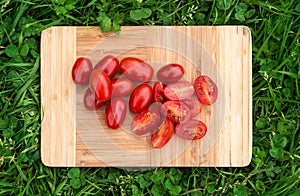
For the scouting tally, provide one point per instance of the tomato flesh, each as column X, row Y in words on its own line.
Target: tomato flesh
column 115, row 113
column 175, row 111
column 141, row 98
column 170, row 73
column 179, row 90
column 81, row 71
column 121, row 87
column 100, row 84
column 206, row 90
column 90, row 102
column 163, row 134
column 191, row 130
column 158, row 92
column 109, row 64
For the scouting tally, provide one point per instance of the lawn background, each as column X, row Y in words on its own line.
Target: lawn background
column 275, row 165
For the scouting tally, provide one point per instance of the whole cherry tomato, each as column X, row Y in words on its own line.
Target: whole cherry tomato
column 191, row 130
column 140, row 98
column 115, row 113
column 90, row 102
column 121, row 87
column 179, row 90
column 158, row 92
column 170, row 73
column 136, row 69
column 145, row 122
column 109, row 64
column 175, row 111
column 100, row 84
column 206, row 90
column 163, row 135
column 194, row 106
column 81, row 71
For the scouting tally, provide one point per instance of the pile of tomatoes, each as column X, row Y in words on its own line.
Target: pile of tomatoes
column 167, row 106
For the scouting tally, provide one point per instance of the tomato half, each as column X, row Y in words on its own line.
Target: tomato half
column 163, row 134
column 175, row 111
column 145, row 122
column 109, row 64
column 100, row 84
column 191, row 130
column 158, row 92
column 179, row 90
column 170, row 73
column 90, row 102
column 194, row 106
column 136, row 69
column 140, row 98
column 115, row 113
column 81, row 71
column 206, row 90
column 121, row 87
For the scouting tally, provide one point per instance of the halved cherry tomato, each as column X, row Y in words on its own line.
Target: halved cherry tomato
column 170, row 73
column 136, row 69
column 115, row 113
column 175, row 111
column 121, row 87
column 100, row 84
column 163, row 135
column 194, row 106
column 140, row 98
column 206, row 90
column 179, row 90
column 158, row 92
column 81, row 71
column 145, row 122
column 90, row 102
column 191, row 130
column 109, row 64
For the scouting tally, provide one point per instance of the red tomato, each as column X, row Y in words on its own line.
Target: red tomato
column 179, row 90
column 170, row 73
column 191, row 130
column 163, row 134
column 121, row 87
column 158, row 92
column 194, row 106
column 206, row 90
column 140, row 98
column 90, row 102
column 81, row 71
column 145, row 122
column 136, row 69
column 115, row 113
column 109, row 64
column 100, row 84
column 175, row 111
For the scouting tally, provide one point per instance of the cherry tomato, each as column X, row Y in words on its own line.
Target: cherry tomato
column 194, row 106
column 163, row 135
column 136, row 69
column 158, row 92
column 140, row 98
column 81, row 71
column 192, row 130
column 121, row 87
column 100, row 84
column 90, row 102
column 175, row 111
column 206, row 90
column 179, row 90
column 170, row 73
column 109, row 64
column 115, row 113
column 145, row 122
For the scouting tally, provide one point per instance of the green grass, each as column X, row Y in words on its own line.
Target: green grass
column 275, row 166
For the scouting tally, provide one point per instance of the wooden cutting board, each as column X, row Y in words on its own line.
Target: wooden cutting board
column 73, row 136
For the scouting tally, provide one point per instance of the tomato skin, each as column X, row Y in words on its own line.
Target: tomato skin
column 179, row 90
column 191, row 130
column 100, row 84
column 175, row 111
column 140, row 98
column 81, row 71
column 163, row 135
column 121, row 87
column 136, row 69
column 90, row 102
column 145, row 122
column 194, row 106
column 115, row 113
column 158, row 92
column 206, row 90
column 109, row 64
column 170, row 73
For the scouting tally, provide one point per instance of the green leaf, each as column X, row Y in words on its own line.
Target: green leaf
column 210, row 188
column 196, row 193
column 74, row 173
column 142, row 182
column 259, row 185
column 140, row 13
column 239, row 16
column 135, row 190
column 12, row 50
column 75, row 183
column 106, row 24
column 158, row 176
column 119, row 18
column 261, row 123
column 176, row 190
column 279, row 141
column 31, row 43
column 239, row 190
column 224, row 4
column 249, row 13
column 24, row 50
column 169, row 185
column 241, row 8
column 116, row 27
column 157, row 190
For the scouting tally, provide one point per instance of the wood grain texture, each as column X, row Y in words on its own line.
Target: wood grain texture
column 223, row 53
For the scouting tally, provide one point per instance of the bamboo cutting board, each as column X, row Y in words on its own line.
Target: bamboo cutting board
column 73, row 136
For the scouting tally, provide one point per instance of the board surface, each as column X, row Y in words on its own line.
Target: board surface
column 73, row 136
